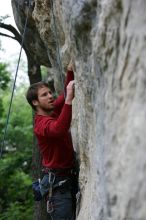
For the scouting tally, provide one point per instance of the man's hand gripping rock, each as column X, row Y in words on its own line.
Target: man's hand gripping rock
column 70, row 92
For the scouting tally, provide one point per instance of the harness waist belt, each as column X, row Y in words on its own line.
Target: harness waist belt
column 60, row 172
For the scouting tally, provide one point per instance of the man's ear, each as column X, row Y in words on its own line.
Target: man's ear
column 35, row 103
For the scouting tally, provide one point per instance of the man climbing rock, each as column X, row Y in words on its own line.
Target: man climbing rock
column 52, row 128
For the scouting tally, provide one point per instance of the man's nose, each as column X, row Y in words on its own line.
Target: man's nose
column 50, row 95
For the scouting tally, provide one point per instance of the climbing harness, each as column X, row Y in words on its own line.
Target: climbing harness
column 57, row 45
column 11, row 99
column 44, row 188
column 41, row 187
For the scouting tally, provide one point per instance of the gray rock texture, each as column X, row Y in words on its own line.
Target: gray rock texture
column 107, row 39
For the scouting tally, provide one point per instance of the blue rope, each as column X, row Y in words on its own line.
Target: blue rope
column 12, row 95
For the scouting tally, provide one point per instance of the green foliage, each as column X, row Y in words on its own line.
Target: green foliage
column 18, row 211
column 16, row 202
column 4, row 76
column 20, row 123
column 15, row 188
column 44, row 73
column 4, row 83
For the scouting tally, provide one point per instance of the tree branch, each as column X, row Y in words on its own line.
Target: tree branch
column 6, row 35
column 13, row 30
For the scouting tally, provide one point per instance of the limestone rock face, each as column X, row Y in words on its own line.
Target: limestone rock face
column 107, row 39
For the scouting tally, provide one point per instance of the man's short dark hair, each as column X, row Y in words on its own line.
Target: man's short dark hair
column 32, row 92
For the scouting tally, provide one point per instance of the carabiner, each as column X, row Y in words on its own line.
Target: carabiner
column 49, row 207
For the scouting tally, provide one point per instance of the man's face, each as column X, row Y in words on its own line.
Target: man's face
column 45, row 99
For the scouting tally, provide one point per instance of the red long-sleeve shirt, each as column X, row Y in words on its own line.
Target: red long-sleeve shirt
column 53, row 134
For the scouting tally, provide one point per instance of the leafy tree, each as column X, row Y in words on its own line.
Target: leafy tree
column 4, row 81
column 4, row 76
column 20, row 123
column 16, row 202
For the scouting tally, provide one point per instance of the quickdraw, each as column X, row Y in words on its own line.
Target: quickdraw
column 51, row 180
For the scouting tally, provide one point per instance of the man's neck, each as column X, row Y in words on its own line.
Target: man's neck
column 43, row 112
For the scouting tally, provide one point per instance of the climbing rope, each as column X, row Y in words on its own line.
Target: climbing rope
column 13, row 88
column 57, row 46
